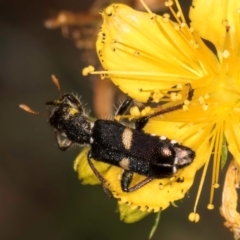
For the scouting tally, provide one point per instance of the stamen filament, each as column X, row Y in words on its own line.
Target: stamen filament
column 180, row 10
column 164, row 76
column 145, row 6
column 216, row 159
column 204, row 174
column 175, row 15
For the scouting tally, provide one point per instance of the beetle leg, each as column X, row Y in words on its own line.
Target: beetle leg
column 98, row 175
column 123, row 108
column 127, row 179
column 142, row 121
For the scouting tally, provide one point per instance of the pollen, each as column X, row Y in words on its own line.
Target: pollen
column 134, row 111
column 226, row 53
column 146, row 111
column 72, row 111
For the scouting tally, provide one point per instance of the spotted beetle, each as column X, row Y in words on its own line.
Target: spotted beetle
column 111, row 142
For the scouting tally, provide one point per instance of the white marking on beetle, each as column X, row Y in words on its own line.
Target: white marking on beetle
column 166, row 151
column 91, row 124
column 173, row 141
column 91, row 140
column 124, row 163
column 127, row 138
column 153, row 134
column 163, row 138
column 175, row 161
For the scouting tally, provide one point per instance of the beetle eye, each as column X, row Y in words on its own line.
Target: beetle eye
column 62, row 140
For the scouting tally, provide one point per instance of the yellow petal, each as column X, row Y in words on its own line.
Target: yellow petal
column 143, row 51
column 210, row 19
column 232, row 131
column 159, row 193
column 129, row 214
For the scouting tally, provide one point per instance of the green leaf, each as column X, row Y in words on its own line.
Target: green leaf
column 224, row 152
column 154, row 228
column 130, row 215
column 174, row 204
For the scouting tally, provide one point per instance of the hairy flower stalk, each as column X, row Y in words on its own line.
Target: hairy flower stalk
column 150, row 56
column 230, row 199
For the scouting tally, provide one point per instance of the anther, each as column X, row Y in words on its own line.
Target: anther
column 201, row 100
column 134, row 111
column 210, row 206
column 206, row 96
column 176, row 27
column 168, row 3
column 194, row 217
column 146, row 111
column 173, row 96
column 178, row 14
column 166, row 17
column 191, row 29
column 183, row 24
column 226, row 54
column 205, row 107
column 87, row 70
column 160, row 186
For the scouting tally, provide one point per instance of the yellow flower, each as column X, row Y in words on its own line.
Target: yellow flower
column 149, row 55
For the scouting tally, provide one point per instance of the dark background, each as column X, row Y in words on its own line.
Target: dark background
column 40, row 194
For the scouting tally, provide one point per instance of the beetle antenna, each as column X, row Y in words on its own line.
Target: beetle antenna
column 29, row 110
column 56, row 83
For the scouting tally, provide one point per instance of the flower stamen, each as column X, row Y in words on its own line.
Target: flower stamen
column 146, row 7
column 218, row 138
column 153, row 76
column 212, row 144
column 180, row 11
